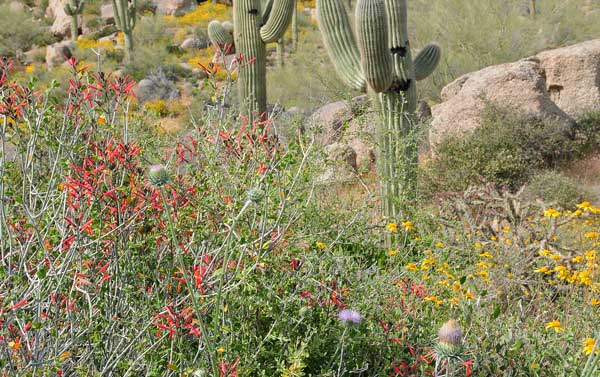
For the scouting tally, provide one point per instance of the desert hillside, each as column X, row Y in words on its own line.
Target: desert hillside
column 298, row 188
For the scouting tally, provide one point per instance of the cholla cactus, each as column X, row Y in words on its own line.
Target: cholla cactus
column 73, row 9
column 379, row 59
column 125, row 18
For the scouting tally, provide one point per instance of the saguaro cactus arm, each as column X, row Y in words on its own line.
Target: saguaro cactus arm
column 278, row 21
column 340, row 43
column 427, row 61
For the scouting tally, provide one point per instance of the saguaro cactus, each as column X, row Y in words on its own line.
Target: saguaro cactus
column 125, row 18
column 73, row 9
column 255, row 25
column 379, row 59
column 221, row 35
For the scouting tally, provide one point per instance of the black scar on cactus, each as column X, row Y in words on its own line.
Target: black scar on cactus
column 253, row 12
column 399, row 50
column 399, row 86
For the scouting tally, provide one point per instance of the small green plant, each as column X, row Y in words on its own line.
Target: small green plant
column 555, row 188
column 506, row 150
column 73, row 9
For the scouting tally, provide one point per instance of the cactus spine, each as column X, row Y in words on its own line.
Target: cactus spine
column 379, row 59
column 125, row 18
column 73, row 9
column 255, row 26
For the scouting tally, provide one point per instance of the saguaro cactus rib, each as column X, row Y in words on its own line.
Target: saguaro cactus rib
column 340, row 43
column 372, row 38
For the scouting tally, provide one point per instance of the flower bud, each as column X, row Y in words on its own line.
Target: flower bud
column 158, row 175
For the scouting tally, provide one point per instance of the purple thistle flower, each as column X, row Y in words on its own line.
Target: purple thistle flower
column 350, row 316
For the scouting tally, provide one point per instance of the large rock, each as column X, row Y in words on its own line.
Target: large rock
column 174, row 7
column 519, row 86
column 61, row 27
column 327, row 122
column 107, row 13
column 573, row 77
column 58, row 53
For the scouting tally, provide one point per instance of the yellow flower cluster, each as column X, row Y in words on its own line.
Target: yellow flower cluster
column 202, row 15
column 84, row 43
column 577, row 262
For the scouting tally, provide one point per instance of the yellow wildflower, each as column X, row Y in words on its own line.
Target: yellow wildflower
column 321, row 245
column 468, row 295
column 220, row 350
column 577, row 259
column 554, row 325
column 543, row 270
column 588, row 346
column 433, row 299
column 392, row 227
column 485, row 254
column 595, row 302
column 591, row 235
column 456, row 285
column 439, row 244
column 408, row 225
column 483, row 265
column 411, row 267
column 551, row 212
column 545, row 253
column 391, row 253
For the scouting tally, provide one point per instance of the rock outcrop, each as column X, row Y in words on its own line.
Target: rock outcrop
column 174, row 7
column 573, row 77
column 58, row 53
column 519, row 86
column 561, row 84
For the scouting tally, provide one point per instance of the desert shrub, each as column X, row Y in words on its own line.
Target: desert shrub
column 555, row 188
column 505, row 150
column 19, row 31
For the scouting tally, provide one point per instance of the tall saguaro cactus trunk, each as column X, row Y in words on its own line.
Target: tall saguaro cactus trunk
column 255, row 25
column 73, row 9
column 125, row 18
column 379, row 60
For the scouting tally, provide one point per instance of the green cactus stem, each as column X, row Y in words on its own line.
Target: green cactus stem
column 295, row 27
column 280, row 52
column 379, row 60
column 221, row 35
column 257, row 23
column 73, row 9
column 125, row 18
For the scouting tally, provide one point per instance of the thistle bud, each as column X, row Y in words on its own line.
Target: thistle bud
column 158, row 175
column 450, row 339
column 255, row 195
